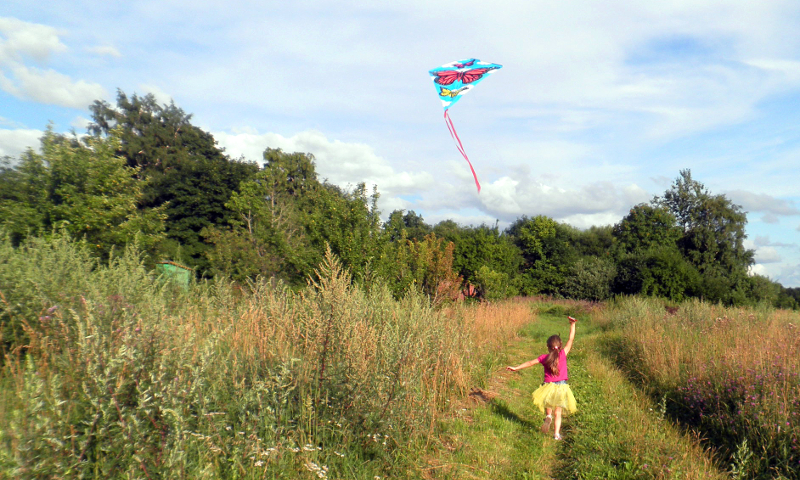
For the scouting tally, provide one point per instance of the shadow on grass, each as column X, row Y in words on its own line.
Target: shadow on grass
column 501, row 409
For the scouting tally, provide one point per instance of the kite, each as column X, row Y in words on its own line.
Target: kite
column 452, row 81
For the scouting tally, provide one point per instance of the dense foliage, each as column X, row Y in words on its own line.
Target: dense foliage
column 120, row 376
column 145, row 174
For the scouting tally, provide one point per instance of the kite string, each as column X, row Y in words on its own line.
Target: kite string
column 460, row 147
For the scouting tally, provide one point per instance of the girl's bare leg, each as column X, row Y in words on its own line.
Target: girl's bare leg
column 558, row 422
column 547, row 420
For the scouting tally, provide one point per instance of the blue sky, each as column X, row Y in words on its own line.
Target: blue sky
column 598, row 106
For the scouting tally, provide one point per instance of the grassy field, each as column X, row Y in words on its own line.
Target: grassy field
column 111, row 373
column 730, row 374
column 115, row 374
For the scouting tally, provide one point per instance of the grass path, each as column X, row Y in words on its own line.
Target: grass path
column 618, row 432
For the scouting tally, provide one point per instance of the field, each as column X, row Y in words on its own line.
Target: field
column 111, row 373
column 119, row 375
column 730, row 374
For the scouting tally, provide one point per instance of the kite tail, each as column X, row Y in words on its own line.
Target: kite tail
column 460, row 147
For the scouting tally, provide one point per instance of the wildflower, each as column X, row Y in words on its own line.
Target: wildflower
column 320, row 470
column 259, row 463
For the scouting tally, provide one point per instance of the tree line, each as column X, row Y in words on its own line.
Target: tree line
column 145, row 174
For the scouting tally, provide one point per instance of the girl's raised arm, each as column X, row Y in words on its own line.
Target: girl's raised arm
column 568, row 347
column 527, row 364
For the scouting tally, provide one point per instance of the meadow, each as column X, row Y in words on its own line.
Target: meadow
column 112, row 373
column 729, row 374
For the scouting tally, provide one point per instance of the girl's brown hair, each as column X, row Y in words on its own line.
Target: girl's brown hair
column 553, row 348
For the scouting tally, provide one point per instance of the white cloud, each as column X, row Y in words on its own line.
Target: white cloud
column 162, row 97
column 758, row 269
column 105, row 50
column 50, row 87
column 339, row 162
column 21, row 40
column 761, row 202
column 767, row 255
column 765, row 241
column 592, row 202
column 14, row 142
column 80, row 124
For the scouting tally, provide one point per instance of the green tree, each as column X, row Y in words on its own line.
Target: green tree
column 285, row 219
column 409, row 225
column 596, row 241
column 485, row 246
column 590, row 278
column 530, row 235
column 82, row 187
column 659, row 271
column 646, row 226
column 549, row 249
column 185, row 170
column 426, row 265
column 712, row 237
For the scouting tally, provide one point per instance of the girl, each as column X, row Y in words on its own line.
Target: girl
column 554, row 395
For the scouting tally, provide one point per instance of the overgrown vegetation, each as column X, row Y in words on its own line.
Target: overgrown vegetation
column 729, row 373
column 113, row 374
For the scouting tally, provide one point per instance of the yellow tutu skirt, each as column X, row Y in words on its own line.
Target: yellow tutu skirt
column 550, row 395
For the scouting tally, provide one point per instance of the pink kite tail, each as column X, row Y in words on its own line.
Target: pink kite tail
column 460, row 147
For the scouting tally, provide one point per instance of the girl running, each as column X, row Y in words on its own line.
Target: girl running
column 554, row 396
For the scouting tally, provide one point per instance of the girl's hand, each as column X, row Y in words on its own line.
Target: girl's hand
column 513, row 369
column 572, row 320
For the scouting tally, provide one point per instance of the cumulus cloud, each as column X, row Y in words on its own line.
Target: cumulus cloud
column 765, row 241
column 339, row 162
column 50, row 87
column 758, row 269
column 790, row 275
column 14, row 142
column 595, row 203
column 761, row 202
column 767, row 255
column 21, row 40
column 80, row 123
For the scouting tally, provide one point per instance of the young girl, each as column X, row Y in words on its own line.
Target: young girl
column 554, row 396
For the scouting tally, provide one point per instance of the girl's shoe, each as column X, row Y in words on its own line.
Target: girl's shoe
column 546, row 424
column 557, row 437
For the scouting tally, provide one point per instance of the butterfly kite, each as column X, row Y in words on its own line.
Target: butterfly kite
column 452, row 81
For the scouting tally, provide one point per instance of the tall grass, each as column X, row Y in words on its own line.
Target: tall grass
column 116, row 375
column 731, row 373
